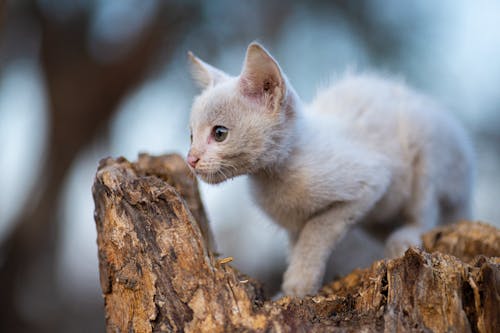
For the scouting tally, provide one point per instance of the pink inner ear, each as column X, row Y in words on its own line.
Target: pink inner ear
column 250, row 89
column 258, row 89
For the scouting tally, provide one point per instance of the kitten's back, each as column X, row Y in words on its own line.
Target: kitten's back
column 383, row 113
column 390, row 118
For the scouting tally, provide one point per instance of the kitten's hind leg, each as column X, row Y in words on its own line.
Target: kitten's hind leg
column 422, row 214
column 402, row 239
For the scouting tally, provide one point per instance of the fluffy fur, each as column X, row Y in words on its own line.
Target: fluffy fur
column 367, row 150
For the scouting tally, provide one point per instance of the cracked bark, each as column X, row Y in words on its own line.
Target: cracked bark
column 159, row 274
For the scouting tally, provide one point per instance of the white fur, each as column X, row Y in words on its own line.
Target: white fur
column 367, row 150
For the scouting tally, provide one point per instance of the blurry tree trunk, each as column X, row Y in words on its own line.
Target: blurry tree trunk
column 2, row 13
column 159, row 275
column 83, row 94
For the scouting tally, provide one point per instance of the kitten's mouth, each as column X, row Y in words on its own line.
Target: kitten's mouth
column 211, row 177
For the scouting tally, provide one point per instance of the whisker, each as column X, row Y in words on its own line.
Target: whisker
column 222, row 173
column 214, row 170
column 230, row 166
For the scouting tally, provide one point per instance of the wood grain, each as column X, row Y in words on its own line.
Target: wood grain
column 159, row 274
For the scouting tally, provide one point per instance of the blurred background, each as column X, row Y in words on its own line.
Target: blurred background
column 84, row 79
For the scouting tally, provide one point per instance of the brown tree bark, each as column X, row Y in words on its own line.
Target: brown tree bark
column 158, row 274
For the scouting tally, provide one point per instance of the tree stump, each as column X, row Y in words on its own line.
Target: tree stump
column 158, row 272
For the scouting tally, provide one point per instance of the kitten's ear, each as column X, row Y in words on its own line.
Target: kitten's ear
column 204, row 74
column 261, row 77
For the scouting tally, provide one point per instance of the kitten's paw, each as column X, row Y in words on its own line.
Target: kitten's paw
column 402, row 239
column 300, row 284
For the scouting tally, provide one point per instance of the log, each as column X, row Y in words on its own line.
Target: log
column 158, row 271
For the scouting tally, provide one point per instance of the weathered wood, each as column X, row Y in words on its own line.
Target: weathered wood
column 158, row 274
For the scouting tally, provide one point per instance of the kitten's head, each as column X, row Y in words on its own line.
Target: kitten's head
column 242, row 124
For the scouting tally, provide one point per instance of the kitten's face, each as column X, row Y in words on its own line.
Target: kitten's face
column 229, row 133
column 236, row 122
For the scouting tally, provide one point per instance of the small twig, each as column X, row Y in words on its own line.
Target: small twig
column 224, row 260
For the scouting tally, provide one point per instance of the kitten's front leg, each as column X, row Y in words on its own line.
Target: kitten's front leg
column 310, row 254
column 318, row 238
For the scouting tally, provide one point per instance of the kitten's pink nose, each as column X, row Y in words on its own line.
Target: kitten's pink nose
column 192, row 160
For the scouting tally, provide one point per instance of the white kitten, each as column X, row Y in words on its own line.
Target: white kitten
column 367, row 150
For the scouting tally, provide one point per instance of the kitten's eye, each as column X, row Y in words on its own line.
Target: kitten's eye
column 191, row 137
column 219, row 133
